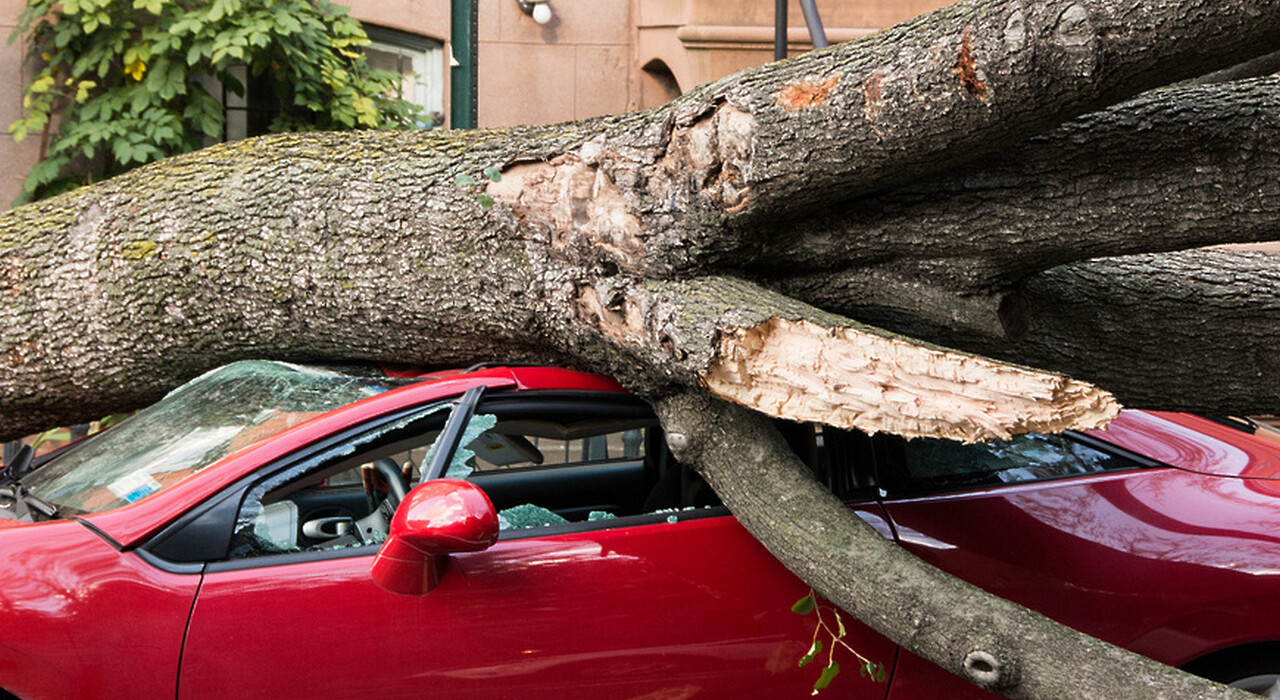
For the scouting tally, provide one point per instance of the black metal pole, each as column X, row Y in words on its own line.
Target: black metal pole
column 779, row 29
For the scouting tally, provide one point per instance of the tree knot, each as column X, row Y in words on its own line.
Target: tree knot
column 986, row 670
column 687, row 416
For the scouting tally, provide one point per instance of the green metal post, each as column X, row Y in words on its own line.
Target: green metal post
column 464, row 43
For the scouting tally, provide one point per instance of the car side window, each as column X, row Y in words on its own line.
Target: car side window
column 341, row 497
column 926, row 464
column 546, row 462
column 542, row 461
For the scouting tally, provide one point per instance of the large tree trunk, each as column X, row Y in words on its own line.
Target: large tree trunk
column 1190, row 331
column 720, row 244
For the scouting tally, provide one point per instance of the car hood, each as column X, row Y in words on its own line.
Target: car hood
column 1197, row 444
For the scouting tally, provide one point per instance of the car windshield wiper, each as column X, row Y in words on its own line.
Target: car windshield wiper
column 23, row 501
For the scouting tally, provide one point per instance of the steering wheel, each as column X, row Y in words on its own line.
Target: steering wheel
column 375, row 526
column 397, row 483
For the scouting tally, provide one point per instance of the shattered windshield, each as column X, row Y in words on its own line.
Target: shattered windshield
column 196, row 425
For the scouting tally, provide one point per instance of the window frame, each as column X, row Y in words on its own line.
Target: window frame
column 207, row 530
column 432, row 52
column 533, row 400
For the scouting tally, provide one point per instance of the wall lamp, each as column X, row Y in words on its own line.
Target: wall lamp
column 539, row 10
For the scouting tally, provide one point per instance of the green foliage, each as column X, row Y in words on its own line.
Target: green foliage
column 465, row 181
column 127, row 82
column 53, row 435
column 804, row 606
column 867, row 668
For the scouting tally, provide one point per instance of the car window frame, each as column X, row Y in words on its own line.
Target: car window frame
column 527, row 402
column 217, row 517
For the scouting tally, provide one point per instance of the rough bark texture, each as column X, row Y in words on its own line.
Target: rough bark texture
column 938, row 249
column 1191, row 331
column 915, row 179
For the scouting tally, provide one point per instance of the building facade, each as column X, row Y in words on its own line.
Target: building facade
column 591, row 57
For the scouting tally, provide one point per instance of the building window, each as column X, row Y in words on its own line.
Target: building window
column 421, row 63
column 250, row 113
column 419, row 60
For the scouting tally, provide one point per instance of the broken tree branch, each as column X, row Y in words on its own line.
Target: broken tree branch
column 989, row 641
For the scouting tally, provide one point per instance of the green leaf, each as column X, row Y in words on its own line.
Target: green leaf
column 463, row 179
column 872, row 670
column 56, row 434
column 804, row 606
column 493, row 174
column 42, row 84
column 814, row 650
column 485, row 201
column 828, row 674
column 111, row 420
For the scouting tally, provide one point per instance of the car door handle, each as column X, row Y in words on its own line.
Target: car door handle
column 327, row 528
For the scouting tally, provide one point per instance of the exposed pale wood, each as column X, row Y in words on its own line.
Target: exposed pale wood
column 852, row 378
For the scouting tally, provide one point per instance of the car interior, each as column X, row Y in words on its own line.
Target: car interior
column 571, row 461
column 542, row 462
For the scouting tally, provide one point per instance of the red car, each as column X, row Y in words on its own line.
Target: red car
column 258, row 533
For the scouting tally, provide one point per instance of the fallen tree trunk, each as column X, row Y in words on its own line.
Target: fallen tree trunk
column 1191, row 331
column 286, row 246
column 938, row 249
column 646, row 245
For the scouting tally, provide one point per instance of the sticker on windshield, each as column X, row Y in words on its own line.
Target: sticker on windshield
column 135, row 486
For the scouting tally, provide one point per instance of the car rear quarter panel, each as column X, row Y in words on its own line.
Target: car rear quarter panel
column 1168, row 563
column 1196, row 444
column 79, row 619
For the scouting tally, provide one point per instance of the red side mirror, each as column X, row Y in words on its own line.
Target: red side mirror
column 436, row 519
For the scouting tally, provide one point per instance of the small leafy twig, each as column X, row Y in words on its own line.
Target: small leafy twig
column 867, row 668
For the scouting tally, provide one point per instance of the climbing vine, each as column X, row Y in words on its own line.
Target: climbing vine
column 120, row 83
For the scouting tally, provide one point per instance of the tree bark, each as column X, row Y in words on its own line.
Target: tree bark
column 1191, row 331
column 938, row 249
column 663, row 247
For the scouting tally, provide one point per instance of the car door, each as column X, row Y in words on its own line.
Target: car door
column 618, row 576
